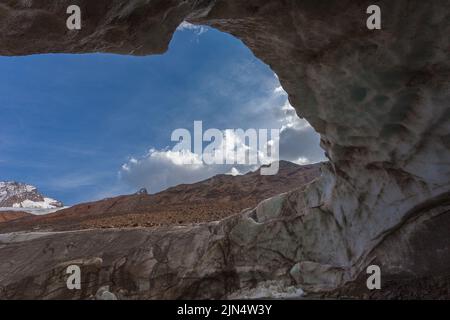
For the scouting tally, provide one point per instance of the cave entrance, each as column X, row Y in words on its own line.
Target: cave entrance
column 86, row 127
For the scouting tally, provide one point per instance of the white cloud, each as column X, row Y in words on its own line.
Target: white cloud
column 298, row 142
column 160, row 169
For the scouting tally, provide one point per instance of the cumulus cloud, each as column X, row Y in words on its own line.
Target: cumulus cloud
column 161, row 169
column 158, row 170
column 298, row 142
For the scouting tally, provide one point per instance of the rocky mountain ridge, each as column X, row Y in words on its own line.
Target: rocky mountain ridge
column 209, row 200
column 19, row 195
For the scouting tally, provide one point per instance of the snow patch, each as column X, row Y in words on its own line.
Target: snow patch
column 48, row 203
column 35, row 211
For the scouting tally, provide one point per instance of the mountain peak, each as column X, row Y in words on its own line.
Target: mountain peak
column 15, row 194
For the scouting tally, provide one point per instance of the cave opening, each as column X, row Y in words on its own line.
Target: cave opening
column 86, row 127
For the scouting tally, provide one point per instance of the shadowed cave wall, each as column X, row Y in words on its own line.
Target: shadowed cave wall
column 378, row 98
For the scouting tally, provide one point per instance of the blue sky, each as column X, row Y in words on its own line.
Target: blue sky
column 70, row 124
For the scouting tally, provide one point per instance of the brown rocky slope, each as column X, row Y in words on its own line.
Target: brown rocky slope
column 12, row 215
column 208, row 200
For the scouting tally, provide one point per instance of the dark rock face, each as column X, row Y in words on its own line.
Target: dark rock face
column 379, row 99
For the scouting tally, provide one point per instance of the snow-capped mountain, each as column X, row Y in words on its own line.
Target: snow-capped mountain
column 18, row 195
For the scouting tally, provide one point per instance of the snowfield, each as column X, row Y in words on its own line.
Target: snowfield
column 48, row 203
